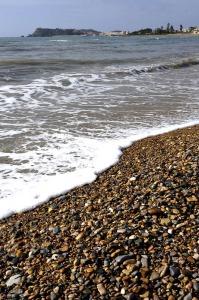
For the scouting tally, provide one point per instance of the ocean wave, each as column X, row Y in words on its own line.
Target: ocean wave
column 168, row 66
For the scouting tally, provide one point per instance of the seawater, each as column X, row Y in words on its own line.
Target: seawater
column 68, row 105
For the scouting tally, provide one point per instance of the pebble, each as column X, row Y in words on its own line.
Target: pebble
column 188, row 297
column 154, row 276
column 53, row 296
column 15, row 279
column 130, row 296
column 121, row 258
column 165, row 221
column 174, row 272
column 196, row 286
column 144, row 261
column 101, row 289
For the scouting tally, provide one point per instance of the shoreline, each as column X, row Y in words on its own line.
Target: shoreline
column 36, row 199
column 130, row 234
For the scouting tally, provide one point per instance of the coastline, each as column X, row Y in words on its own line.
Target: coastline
column 131, row 234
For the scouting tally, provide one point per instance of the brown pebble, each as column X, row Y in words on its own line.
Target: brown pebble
column 171, row 297
column 154, row 211
column 101, row 289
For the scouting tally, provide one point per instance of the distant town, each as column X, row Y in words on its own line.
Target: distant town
column 169, row 29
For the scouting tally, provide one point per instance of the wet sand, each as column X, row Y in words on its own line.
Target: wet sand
column 131, row 234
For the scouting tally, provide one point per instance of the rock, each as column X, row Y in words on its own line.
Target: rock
column 19, row 253
column 196, row 256
column 55, row 230
column 79, row 236
column 188, row 297
column 90, row 270
column 154, row 211
column 15, row 261
column 196, row 286
column 165, row 221
column 164, row 271
column 174, row 272
column 121, row 258
column 53, row 296
column 154, row 276
column 15, row 279
column 130, row 296
column 55, row 256
column 145, row 294
column 171, row 297
column 101, row 289
column 144, row 261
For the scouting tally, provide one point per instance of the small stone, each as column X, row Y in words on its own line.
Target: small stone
column 154, row 211
column 132, row 237
column 129, row 296
column 89, row 270
column 121, row 258
column 155, row 297
column 19, row 253
column 173, row 253
column 145, row 294
column 170, row 231
column 56, row 290
column 9, row 272
column 191, row 259
column 165, row 221
column 53, row 296
column 65, row 248
column 175, row 211
column 46, row 244
column 144, row 261
column 174, row 272
column 192, row 199
column 121, row 230
column 180, row 225
column 101, row 289
column 55, row 230
column 196, row 256
column 79, row 236
column 50, row 209
column 55, row 256
column 187, row 272
column 15, row 261
column 188, row 297
column 71, row 296
column 129, row 262
column 154, row 276
column 192, row 217
column 171, row 297
column 196, row 286
column 164, row 271
column 76, row 262
column 13, row 280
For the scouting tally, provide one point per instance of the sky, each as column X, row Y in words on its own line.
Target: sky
column 22, row 17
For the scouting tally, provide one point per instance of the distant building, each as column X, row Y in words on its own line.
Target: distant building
column 114, row 33
column 196, row 31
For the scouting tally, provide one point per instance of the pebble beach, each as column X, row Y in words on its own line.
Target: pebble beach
column 131, row 234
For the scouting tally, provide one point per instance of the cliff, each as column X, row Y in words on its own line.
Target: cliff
column 47, row 32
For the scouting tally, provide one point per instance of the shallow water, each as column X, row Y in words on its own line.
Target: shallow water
column 68, row 105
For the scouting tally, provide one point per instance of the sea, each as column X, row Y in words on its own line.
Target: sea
column 69, row 105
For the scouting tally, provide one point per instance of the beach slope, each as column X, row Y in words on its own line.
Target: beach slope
column 131, row 234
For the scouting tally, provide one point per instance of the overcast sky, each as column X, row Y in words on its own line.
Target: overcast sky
column 22, row 17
